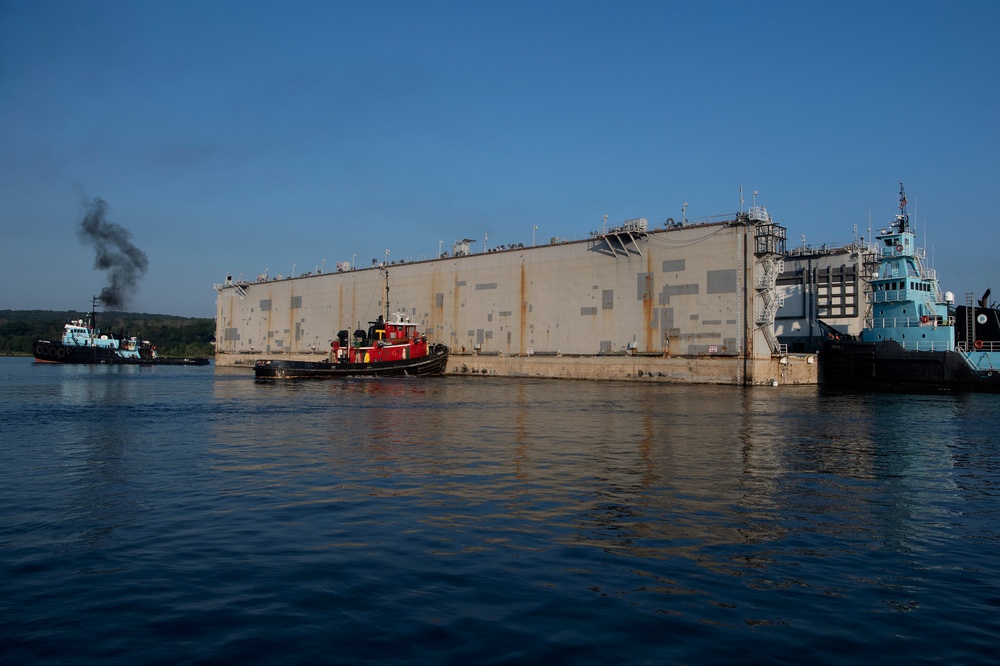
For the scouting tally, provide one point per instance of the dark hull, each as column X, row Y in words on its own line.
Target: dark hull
column 886, row 366
column 432, row 364
column 57, row 352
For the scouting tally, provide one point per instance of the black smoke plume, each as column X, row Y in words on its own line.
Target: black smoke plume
column 115, row 253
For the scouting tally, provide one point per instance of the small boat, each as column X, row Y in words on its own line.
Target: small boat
column 914, row 339
column 391, row 347
column 83, row 343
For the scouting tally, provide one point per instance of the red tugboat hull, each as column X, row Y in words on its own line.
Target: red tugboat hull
column 432, row 364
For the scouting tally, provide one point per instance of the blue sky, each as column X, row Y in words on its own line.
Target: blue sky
column 234, row 137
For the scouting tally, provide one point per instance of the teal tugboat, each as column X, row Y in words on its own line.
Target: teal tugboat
column 914, row 339
column 83, row 343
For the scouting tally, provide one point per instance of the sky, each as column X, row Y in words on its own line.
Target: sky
column 249, row 137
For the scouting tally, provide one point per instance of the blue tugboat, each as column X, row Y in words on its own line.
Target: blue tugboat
column 914, row 339
column 83, row 343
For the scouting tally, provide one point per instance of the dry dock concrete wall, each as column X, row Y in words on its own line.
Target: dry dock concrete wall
column 794, row 369
column 684, row 296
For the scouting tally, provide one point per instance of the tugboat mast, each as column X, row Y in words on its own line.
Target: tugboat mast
column 93, row 313
column 385, row 272
column 903, row 219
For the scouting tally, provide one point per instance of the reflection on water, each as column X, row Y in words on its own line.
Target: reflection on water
column 477, row 519
column 641, row 471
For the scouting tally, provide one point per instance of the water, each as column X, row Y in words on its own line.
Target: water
column 193, row 515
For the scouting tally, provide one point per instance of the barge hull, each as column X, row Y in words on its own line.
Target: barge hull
column 887, row 366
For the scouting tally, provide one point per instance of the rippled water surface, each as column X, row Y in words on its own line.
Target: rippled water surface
column 177, row 515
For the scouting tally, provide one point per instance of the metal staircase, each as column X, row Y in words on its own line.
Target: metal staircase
column 871, row 261
column 769, row 249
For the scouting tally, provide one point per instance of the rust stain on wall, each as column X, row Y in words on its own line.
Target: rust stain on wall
column 647, row 307
column 340, row 305
column 268, row 333
column 436, row 311
column 522, row 343
column 229, row 323
column 292, row 343
column 455, row 302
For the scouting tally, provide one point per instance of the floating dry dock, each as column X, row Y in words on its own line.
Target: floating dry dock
column 692, row 303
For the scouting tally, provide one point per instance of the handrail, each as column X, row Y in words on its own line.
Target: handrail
column 910, row 322
column 926, row 345
column 980, row 346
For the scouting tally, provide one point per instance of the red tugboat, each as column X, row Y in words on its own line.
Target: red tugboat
column 392, row 347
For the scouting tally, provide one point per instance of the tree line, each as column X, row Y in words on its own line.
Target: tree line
column 173, row 336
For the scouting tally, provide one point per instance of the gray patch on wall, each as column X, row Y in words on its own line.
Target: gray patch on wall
column 644, row 286
column 673, row 265
column 679, row 290
column 722, row 282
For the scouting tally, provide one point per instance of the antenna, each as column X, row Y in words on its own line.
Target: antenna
column 385, row 272
column 903, row 219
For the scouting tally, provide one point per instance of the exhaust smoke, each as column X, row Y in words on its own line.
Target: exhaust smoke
column 116, row 254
